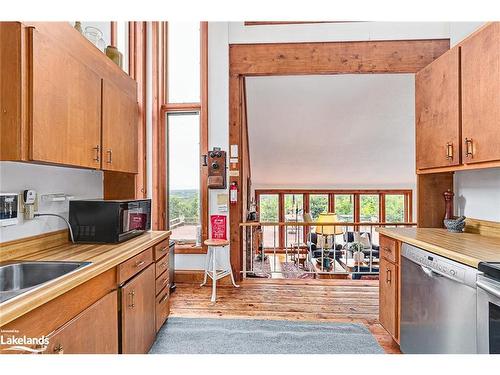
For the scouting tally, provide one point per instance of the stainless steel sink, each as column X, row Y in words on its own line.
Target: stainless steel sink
column 18, row 277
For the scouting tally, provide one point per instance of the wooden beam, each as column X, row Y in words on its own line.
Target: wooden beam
column 401, row 56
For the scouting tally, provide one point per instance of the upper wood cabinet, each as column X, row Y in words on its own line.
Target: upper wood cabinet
column 119, row 129
column 65, row 108
column 59, row 95
column 481, row 95
column 437, row 110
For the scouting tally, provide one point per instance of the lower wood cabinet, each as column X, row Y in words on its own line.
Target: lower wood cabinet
column 94, row 330
column 138, row 307
column 389, row 288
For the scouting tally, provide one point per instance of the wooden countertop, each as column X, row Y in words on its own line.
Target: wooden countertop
column 466, row 248
column 102, row 256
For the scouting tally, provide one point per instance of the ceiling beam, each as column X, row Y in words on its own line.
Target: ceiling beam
column 393, row 56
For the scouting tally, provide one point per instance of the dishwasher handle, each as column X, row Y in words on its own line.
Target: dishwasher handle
column 430, row 272
column 488, row 288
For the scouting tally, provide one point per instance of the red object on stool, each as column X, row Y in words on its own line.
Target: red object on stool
column 218, row 227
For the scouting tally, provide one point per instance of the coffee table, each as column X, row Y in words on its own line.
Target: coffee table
column 364, row 266
column 340, row 272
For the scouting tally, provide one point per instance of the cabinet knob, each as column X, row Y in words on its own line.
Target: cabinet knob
column 468, row 148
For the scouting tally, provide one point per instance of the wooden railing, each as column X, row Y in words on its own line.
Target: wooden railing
column 310, row 254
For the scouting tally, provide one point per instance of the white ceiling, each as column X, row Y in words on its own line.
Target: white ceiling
column 340, row 131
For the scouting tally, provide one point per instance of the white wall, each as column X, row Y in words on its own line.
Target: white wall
column 477, row 194
column 16, row 177
column 332, row 131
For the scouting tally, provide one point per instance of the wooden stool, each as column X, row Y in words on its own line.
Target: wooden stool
column 213, row 273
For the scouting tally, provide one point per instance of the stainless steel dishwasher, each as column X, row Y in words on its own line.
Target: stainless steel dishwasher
column 438, row 304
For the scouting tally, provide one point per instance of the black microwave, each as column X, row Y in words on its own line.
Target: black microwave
column 109, row 221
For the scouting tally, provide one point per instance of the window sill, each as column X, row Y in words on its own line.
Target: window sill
column 189, row 249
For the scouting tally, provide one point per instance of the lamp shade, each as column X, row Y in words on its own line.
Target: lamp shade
column 328, row 218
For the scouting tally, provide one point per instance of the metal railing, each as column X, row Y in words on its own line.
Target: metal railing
column 285, row 249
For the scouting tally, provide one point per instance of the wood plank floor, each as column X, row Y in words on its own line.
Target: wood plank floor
column 314, row 300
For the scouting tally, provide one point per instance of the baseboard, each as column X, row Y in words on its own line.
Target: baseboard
column 196, row 277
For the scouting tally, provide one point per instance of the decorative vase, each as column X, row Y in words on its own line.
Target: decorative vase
column 115, row 55
column 358, row 256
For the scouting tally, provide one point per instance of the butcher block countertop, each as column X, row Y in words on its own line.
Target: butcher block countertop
column 102, row 256
column 466, row 248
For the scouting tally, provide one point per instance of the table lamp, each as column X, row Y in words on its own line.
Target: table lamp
column 329, row 230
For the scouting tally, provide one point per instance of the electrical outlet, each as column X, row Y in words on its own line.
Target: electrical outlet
column 29, row 204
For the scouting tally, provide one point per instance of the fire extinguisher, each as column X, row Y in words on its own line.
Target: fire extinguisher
column 233, row 193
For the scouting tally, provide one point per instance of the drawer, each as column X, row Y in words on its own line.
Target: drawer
column 162, row 265
column 162, row 281
column 389, row 249
column 134, row 265
column 162, row 308
column 161, row 249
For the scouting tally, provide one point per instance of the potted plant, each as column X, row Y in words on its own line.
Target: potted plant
column 357, row 252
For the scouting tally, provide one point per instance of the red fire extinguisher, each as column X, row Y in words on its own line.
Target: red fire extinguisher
column 233, row 193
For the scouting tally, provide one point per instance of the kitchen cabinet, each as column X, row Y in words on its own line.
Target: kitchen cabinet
column 63, row 101
column 389, row 286
column 437, row 112
column 95, row 330
column 119, row 129
column 138, row 306
column 65, row 109
column 480, row 58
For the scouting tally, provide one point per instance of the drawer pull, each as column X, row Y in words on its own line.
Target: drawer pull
column 110, row 156
column 96, row 148
column 132, row 299
column 138, row 264
column 163, row 249
column 388, row 249
column 59, row 349
column 163, row 264
column 388, row 273
column 164, row 281
column 164, row 298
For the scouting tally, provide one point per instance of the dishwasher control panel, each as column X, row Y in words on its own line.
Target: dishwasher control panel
column 440, row 265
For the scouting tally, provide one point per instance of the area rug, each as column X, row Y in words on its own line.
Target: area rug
column 244, row 336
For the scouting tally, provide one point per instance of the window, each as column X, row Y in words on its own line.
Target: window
column 369, row 207
column 344, row 207
column 183, row 62
column 394, row 208
column 183, row 140
column 294, row 211
column 186, row 131
column 318, row 204
column 269, row 212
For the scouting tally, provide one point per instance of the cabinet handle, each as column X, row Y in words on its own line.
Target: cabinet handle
column 388, row 275
column 388, row 249
column 96, row 148
column 164, row 298
column 138, row 264
column 468, row 148
column 164, row 281
column 110, row 156
column 164, row 264
column 449, row 151
column 132, row 299
column 163, row 249
column 59, row 349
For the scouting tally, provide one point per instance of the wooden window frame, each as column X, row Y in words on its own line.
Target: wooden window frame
column 161, row 108
column 356, row 193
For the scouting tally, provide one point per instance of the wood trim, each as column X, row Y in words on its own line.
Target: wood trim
column 462, row 167
column 159, row 193
column 272, row 23
column 181, row 107
column 196, row 277
column 391, row 56
column 114, row 33
column 333, row 191
column 482, row 227
column 34, row 244
column 189, row 249
column 204, row 129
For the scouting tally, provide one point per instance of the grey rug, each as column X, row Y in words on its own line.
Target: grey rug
column 243, row 336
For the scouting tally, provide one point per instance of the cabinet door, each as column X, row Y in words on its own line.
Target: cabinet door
column 437, row 103
column 138, row 313
column 94, row 331
column 388, row 296
column 119, row 129
column 481, row 95
column 65, row 107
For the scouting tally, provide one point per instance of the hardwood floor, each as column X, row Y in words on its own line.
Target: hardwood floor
column 314, row 300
